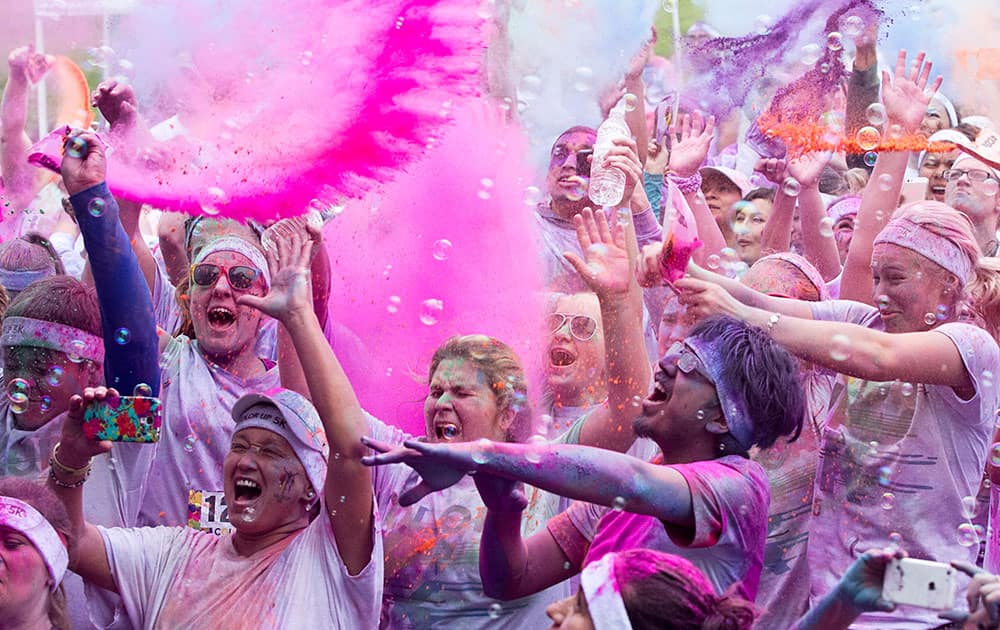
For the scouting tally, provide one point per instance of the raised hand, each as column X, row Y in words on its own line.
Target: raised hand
column 28, row 64
column 772, row 168
column 657, row 157
column 703, row 299
column 807, row 167
column 290, row 294
column 982, row 597
column 610, row 252
column 861, row 586
column 75, row 448
column 117, row 103
column 439, row 465
column 689, row 150
column 84, row 162
column 906, row 96
column 624, row 156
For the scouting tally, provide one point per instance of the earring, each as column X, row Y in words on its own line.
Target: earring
column 311, row 494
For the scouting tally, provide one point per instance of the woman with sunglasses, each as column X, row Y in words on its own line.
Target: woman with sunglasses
column 726, row 389
column 477, row 390
column 576, row 365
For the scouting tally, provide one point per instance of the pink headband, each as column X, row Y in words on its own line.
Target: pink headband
column 28, row 521
column 36, row 333
column 805, row 267
column 937, row 249
column 604, row 597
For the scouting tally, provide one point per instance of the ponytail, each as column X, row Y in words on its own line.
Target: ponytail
column 730, row 612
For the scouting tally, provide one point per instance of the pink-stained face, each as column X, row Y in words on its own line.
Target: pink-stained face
column 24, row 578
column 574, row 364
column 748, row 227
column 682, row 401
column 461, row 406
column 908, row 288
column 563, row 178
column 51, row 379
column 223, row 327
column 264, row 481
column 976, row 199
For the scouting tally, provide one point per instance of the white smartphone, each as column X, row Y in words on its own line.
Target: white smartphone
column 913, row 190
column 920, row 583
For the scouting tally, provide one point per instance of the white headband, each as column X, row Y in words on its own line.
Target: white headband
column 28, row 521
column 240, row 246
column 604, row 597
column 37, row 333
column 931, row 246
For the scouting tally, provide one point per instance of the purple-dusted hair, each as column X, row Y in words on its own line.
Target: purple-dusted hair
column 574, row 129
column 763, row 373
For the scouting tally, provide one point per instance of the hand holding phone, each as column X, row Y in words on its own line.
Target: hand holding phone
column 920, row 583
column 123, row 419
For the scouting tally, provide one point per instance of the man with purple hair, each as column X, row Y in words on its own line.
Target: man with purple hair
column 722, row 391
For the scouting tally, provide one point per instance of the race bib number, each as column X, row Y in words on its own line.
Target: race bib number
column 208, row 512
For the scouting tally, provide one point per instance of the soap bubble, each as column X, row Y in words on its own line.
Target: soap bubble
column 834, row 41
column 884, row 476
column 888, row 500
column 930, row 319
column 479, row 454
column 631, row 102
column 76, row 147
column 55, row 375
column 18, row 387
column 876, row 114
column 870, row 158
column 75, row 351
column 306, row 57
column 123, row 336
column 393, row 307
column 906, row 389
column 449, row 432
column 826, row 227
column 583, row 79
column 142, row 389
column 967, row 535
column 495, row 610
column 579, row 188
column 536, row 445
column 840, row 348
column 868, row 138
column 885, row 181
column 987, row 379
column 811, row 54
column 895, row 538
column 96, row 207
column 189, row 442
column 532, row 196
column 430, row 311
column 853, row 26
column 249, row 514
column 824, row 67
column 441, row 250
column 619, row 504
column 713, row 261
column 45, row 403
column 791, row 187
column 990, row 187
column 995, row 454
column 18, row 403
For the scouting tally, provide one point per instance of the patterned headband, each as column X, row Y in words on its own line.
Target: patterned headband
column 19, row 280
column 935, row 248
column 28, row 521
column 37, row 333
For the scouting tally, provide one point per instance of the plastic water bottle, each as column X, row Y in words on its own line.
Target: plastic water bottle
column 607, row 185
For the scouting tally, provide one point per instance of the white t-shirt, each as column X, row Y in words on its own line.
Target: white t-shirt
column 197, row 402
column 175, row 577
column 896, row 461
column 432, row 553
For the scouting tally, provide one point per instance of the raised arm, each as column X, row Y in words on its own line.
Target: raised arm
column 777, row 234
column 905, row 99
column 127, row 321
column 609, row 271
column 818, row 244
column 70, row 467
column 348, row 494
column 687, row 155
column 920, row 357
column 26, row 67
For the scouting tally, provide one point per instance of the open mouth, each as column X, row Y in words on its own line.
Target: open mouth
column 659, row 394
column 937, row 191
column 246, row 490
column 561, row 357
column 220, row 317
column 447, row 431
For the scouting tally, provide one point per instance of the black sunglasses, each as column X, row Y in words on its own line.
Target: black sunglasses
column 240, row 277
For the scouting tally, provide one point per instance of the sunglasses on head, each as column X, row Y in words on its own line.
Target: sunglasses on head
column 240, row 277
column 583, row 327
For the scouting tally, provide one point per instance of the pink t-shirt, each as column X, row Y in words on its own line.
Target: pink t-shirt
column 729, row 496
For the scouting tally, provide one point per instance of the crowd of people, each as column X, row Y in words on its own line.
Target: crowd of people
column 763, row 386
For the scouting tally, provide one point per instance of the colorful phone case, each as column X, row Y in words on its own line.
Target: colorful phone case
column 132, row 419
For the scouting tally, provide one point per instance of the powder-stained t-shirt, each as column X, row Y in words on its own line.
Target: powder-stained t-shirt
column 175, row 577
column 896, row 461
column 729, row 497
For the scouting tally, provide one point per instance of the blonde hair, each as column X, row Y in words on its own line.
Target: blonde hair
column 982, row 293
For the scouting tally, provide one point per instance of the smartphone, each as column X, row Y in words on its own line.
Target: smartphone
column 125, row 419
column 913, row 190
column 920, row 583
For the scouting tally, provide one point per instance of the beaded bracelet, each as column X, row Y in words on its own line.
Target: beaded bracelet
column 53, row 461
column 63, row 484
column 686, row 185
